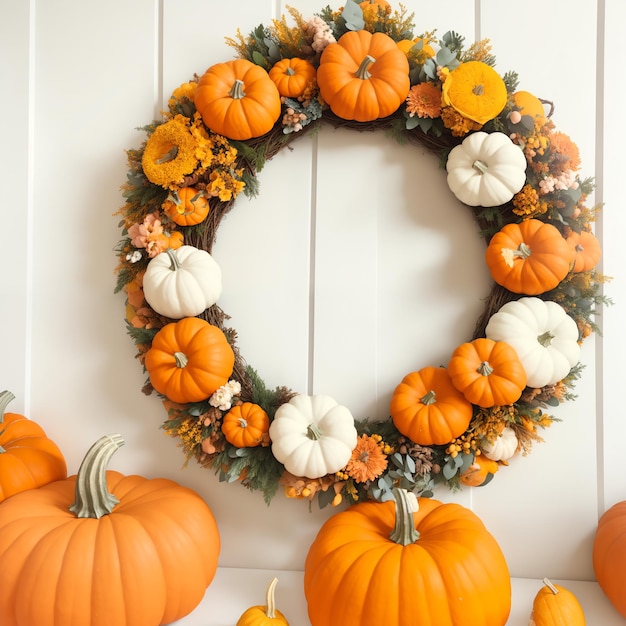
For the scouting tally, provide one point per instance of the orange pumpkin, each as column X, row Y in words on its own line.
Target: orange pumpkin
column 428, row 409
column 189, row 360
column 129, row 551
column 292, row 76
column 237, row 99
column 363, row 76
column 187, row 206
column 487, row 372
column 587, row 250
column 28, row 459
column 480, row 472
column 381, row 563
column 556, row 606
column 530, row 258
column 245, row 425
column 609, row 555
column 529, row 104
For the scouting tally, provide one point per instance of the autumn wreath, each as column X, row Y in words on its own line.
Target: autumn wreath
column 361, row 67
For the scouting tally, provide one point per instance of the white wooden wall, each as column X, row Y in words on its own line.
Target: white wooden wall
column 353, row 267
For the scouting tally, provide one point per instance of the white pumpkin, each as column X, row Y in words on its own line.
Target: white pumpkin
column 503, row 448
column 183, row 282
column 486, row 169
column 312, row 435
column 544, row 336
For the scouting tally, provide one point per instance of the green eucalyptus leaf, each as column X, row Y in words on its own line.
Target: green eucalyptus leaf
column 259, row 59
column 353, row 14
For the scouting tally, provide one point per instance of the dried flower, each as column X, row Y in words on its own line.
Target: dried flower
column 368, row 461
column 424, row 100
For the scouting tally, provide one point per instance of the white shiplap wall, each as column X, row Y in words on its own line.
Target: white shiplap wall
column 397, row 273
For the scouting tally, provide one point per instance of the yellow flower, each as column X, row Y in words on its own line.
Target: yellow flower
column 368, row 461
column 170, row 153
column 476, row 91
column 458, row 125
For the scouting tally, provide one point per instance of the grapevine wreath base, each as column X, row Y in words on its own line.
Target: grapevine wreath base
column 363, row 68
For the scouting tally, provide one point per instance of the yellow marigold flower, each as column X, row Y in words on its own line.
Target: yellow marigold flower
column 186, row 90
column 526, row 203
column 459, row 126
column 170, row 153
column 424, row 100
column 368, row 461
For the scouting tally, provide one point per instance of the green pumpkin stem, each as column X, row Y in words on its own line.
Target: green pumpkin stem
column 429, row 398
column 484, row 368
column 363, row 71
column 480, row 166
column 546, row 338
column 404, row 531
column 175, row 262
column 5, row 398
column 270, row 600
column 236, row 91
column 92, row 497
column 313, row 431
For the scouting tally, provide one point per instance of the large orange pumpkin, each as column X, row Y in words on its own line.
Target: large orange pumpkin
column 129, row 551
column 189, row 360
column 531, row 257
column 237, row 99
column 428, row 409
column 609, row 555
column 380, row 563
column 363, row 76
column 28, row 459
column 487, row 372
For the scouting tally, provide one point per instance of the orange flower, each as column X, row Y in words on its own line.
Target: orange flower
column 368, row 461
column 459, row 126
column 565, row 151
column 424, row 100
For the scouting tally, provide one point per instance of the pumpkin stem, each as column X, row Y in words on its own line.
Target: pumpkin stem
column 484, row 368
column 363, row 71
column 313, row 432
column 550, row 586
column 546, row 338
column 270, row 601
column 170, row 155
column 290, row 71
column 5, row 398
column 174, row 261
column 242, row 422
column 429, row 398
column 404, row 531
column 92, row 497
column 480, row 166
column 236, row 91
column 181, row 359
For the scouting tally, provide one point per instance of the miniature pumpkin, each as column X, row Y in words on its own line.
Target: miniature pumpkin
column 609, row 555
column 264, row 615
column 487, row 372
column 189, row 360
column 444, row 567
column 475, row 90
column 292, row 76
column 428, row 409
column 480, row 472
column 183, row 282
column 531, row 257
column 101, row 548
column 528, row 104
column 245, row 425
column 237, row 99
column 28, row 459
column 363, row 76
column 486, row 169
column 556, row 606
column 544, row 336
column 312, row 435
column 587, row 250
column 503, row 447
column 187, row 206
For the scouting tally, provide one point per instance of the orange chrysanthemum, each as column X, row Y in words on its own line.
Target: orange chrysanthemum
column 565, row 152
column 424, row 100
column 368, row 461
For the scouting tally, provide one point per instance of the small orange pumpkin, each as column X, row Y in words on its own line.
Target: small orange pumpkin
column 245, row 425
column 363, row 76
column 587, row 250
column 480, row 472
column 556, row 606
column 264, row 615
column 530, row 258
column 237, row 99
column 28, row 459
column 487, row 372
column 187, row 206
column 189, row 360
column 292, row 76
column 446, row 568
column 609, row 555
column 428, row 409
